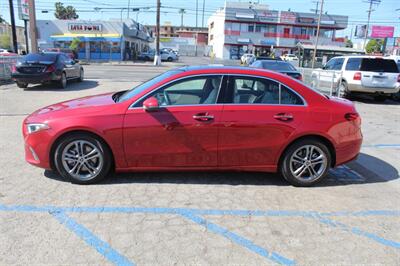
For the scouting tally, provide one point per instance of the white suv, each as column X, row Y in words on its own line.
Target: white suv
column 360, row 74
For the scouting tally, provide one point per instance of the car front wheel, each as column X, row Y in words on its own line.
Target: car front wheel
column 22, row 85
column 82, row 159
column 63, row 81
column 81, row 75
column 306, row 162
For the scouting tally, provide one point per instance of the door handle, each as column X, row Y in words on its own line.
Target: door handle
column 283, row 117
column 203, row 117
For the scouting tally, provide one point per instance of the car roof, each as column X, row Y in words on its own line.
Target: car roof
column 221, row 69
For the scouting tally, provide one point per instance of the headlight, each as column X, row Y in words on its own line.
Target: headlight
column 35, row 127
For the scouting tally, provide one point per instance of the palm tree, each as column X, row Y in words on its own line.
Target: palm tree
column 182, row 11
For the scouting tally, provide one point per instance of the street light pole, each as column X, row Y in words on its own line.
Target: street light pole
column 316, row 39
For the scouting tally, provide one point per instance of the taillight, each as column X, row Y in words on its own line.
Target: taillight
column 398, row 78
column 14, row 69
column 351, row 116
column 357, row 76
column 51, row 68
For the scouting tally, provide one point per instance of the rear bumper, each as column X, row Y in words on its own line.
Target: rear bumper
column 35, row 78
column 358, row 88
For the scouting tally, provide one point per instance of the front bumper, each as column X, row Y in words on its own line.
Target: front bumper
column 35, row 78
column 37, row 147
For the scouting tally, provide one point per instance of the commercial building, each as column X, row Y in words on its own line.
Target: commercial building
column 239, row 28
column 99, row 40
column 5, row 29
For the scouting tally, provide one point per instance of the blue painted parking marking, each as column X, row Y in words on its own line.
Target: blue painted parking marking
column 101, row 246
column 275, row 257
column 382, row 146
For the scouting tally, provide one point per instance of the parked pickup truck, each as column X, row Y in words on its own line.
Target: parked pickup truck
column 349, row 75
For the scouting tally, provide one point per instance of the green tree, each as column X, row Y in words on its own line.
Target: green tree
column 65, row 12
column 5, row 41
column 2, row 20
column 349, row 43
column 75, row 44
column 373, row 45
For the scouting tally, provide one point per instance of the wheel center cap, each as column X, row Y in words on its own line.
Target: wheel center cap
column 80, row 159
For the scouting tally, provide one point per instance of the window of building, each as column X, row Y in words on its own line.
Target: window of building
column 212, row 25
column 244, row 27
column 250, row 28
column 261, row 28
column 211, row 37
column 236, row 26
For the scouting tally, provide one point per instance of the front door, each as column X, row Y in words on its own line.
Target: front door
column 183, row 132
column 257, row 123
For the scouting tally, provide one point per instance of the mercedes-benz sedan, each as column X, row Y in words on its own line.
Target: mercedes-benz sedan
column 198, row 118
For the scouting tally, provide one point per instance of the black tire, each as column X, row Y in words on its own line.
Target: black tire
column 22, row 85
column 147, row 58
column 380, row 98
column 285, row 167
column 169, row 59
column 81, row 75
column 63, row 81
column 343, row 90
column 61, row 165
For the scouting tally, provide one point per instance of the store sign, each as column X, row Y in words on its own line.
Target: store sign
column 270, row 16
column 244, row 15
column 288, row 17
column 85, row 27
column 382, row 31
column 306, row 20
column 268, row 42
column 23, row 9
column 243, row 40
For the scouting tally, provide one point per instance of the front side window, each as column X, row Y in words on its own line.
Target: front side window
column 331, row 64
column 191, row 91
column 338, row 64
column 248, row 90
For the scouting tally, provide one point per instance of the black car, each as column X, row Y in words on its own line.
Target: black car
column 36, row 68
column 278, row 66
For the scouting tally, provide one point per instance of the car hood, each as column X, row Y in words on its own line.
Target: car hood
column 77, row 107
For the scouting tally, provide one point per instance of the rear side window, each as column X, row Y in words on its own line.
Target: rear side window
column 353, row 64
column 378, row 65
column 248, row 90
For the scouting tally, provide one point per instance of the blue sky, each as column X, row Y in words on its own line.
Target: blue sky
column 385, row 13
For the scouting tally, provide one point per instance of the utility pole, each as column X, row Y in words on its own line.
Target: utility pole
column 129, row 6
column 202, row 19
column 157, row 59
column 182, row 11
column 197, row 11
column 32, row 26
column 316, row 8
column 371, row 2
column 26, row 35
column 316, row 39
column 13, row 30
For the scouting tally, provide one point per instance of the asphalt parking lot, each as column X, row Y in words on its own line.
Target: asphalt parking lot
column 353, row 217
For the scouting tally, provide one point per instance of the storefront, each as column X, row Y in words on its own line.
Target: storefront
column 98, row 40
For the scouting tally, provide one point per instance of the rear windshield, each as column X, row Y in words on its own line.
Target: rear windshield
column 40, row 57
column 278, row 66
column 379, row 65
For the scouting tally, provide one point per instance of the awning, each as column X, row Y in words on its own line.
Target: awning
column 85, row 37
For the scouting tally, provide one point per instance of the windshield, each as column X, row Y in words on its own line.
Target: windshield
column 147, row 84
column 379, row 65
column 278, row 66
column 41, row 58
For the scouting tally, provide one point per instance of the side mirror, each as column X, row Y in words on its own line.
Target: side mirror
column 151, row 104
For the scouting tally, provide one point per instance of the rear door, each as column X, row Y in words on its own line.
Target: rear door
column 258, row 117
column 379, row 73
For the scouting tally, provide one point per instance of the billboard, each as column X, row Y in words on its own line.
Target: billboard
column 360, row 31
column 382, row 31
column 23, row 9
column 288, row 17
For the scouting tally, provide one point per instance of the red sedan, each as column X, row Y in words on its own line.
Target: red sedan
column 198, row 118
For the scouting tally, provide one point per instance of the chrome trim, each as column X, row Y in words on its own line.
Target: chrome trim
column 223, row 75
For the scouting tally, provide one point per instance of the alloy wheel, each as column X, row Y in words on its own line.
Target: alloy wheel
column 82, row 160
column 308, row 163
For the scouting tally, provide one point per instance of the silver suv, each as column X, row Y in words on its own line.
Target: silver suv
column 360, row 74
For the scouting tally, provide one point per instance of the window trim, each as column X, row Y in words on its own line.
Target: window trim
column 226, row 77
column 132, row 106
column 280, row 84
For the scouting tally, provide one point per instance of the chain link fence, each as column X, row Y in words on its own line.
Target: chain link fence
column 6, row 63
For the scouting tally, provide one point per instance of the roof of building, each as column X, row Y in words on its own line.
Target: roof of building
column 330, row 48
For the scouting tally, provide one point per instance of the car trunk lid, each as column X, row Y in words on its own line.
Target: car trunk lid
column 379, row 73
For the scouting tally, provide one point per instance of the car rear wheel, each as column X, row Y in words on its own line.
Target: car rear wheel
column 82, row 159
column 343, row 91
column 306, row 162
column 169, row 59
column 22, row 85
column 81, row 75
column 63, row 81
